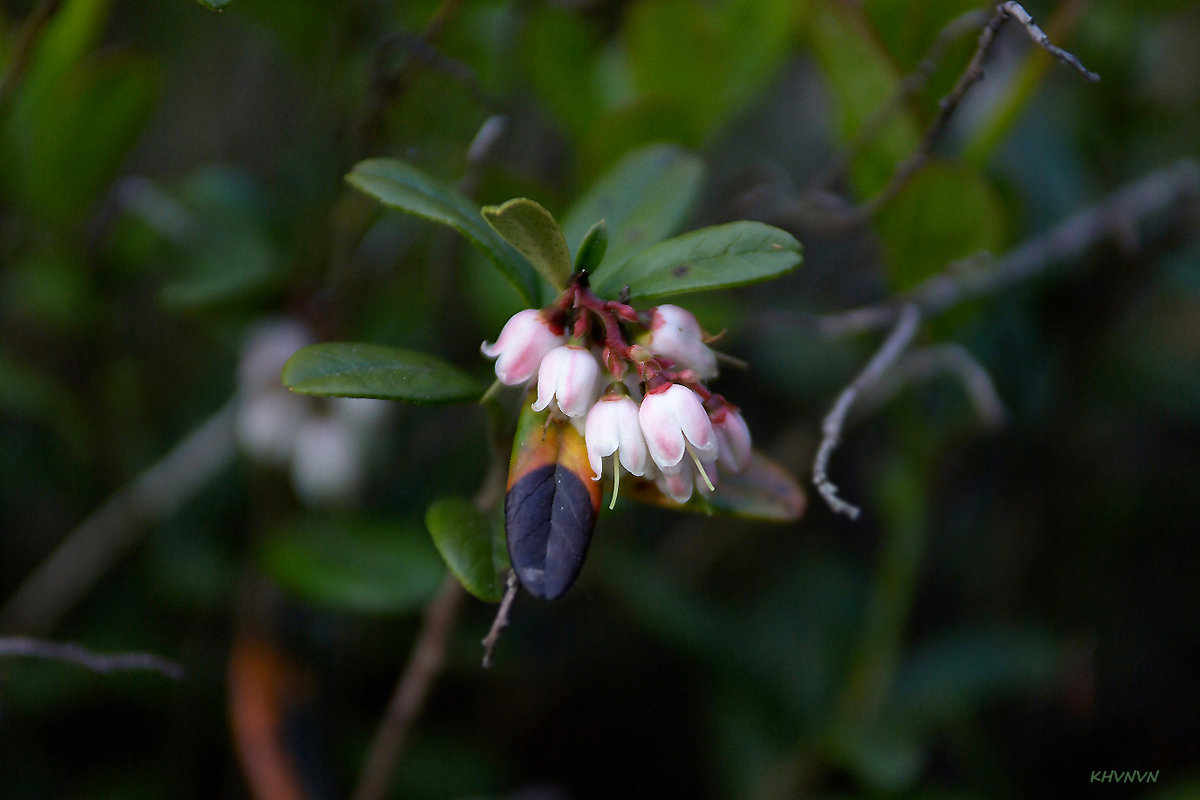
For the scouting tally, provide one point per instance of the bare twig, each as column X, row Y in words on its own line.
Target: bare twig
column 501, row 621
column 411, row 691
column 96, row 544
column 944, row 359
column 912, row 83
column 22, row 647
column 831, row 429
column 1018, row 12
column 949, row 104
column 18, row 59
column 1172, row 190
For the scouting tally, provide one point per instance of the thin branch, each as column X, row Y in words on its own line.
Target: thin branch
column 831, row 429
column 1018, row 12
column 1173, row 190
column 945, row 359
column 912, row 83
column 18, row 60
column 22, row 647
column 949, row 104
column 411, row 691
column 501, row 621
column 94, row 546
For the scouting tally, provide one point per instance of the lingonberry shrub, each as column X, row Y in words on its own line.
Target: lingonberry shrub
column 614, row 389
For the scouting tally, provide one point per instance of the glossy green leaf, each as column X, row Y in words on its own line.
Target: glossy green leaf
column 695, row 54
column 403, row 187
column 771, row 26
column 952, row 677
column 677, row 50
column 215, row 5
column 947, row 212
column 764, row 491
column 373, row 568
column 535, row 234
column 641, row 122
column 345, row 369
column 593, row 247
column 643, row 199
column 711, row 258
column 863, row 78
column 558, row 51
column 884, row 760
column 225, row 252
column 70, row 34
column 103, row 103
column 472, row 549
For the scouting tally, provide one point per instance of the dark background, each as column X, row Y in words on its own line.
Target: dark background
column 1015, row 609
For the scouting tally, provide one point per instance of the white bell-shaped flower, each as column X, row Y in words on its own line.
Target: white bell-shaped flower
column 567, row 377
column 328, row 464
column 679, row 481
column 676, row 335
column 524, row 341
column 733, row 439
column 613, row 429
column 675, row 425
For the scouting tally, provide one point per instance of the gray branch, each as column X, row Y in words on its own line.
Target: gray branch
column 931, row 362
column 831, row 429
column 501, row 621
column 101, row 539
column 970, row 76
column 22, row 647
column 1173, row 190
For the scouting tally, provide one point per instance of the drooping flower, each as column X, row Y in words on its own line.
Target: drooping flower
column 676, row 335
column 613, row 429
column 523, row 342
column 675, row 425
column 567, row 377
column 679, row 481
column 733, row 438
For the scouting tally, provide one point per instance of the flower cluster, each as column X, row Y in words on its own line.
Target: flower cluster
column 322, row 444
column 633, row 383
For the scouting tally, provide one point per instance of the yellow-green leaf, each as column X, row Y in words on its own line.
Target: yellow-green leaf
column 535, row 234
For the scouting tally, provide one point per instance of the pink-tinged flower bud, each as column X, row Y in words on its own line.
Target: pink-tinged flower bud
column 678, row 487
column 613, row 427
column 679, row 481
column 733, row 439
column 525, row 340
column 676, row 335
column 675, row 424
column 568, row 377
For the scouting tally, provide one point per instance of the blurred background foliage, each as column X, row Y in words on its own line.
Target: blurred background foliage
column 1015, row 609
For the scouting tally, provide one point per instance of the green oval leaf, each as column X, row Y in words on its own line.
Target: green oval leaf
column 593, row 247
column 473, row 551
column 643, row 199
column 346, row 369
column 373, row 568
column 920, row 238
column 535, row 234
column 764, row 490
column 405, row 188
column 710, row 258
